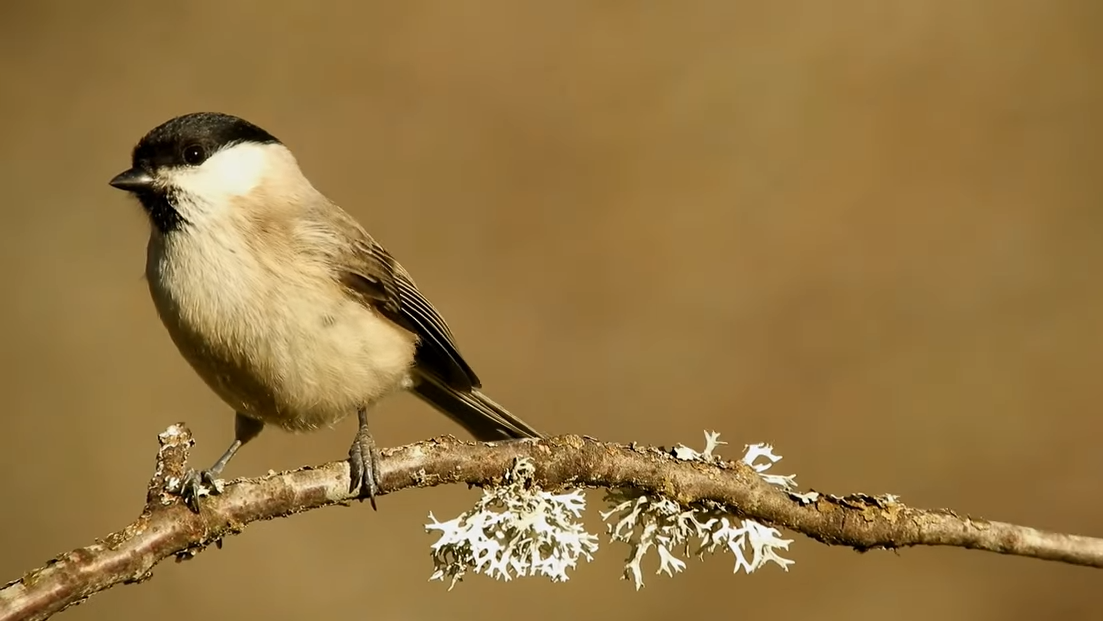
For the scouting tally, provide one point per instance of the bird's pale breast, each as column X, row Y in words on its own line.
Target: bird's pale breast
column 276, row 341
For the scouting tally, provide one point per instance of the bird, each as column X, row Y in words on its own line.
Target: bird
column 282, row 303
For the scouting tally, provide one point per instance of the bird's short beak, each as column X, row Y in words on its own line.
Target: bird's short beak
column 133, row 180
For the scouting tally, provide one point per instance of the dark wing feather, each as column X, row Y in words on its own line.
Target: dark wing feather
column 374, row 276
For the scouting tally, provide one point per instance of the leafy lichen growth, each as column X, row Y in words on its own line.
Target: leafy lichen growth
column 647, row 521
column 517, row 529
column 514, row 530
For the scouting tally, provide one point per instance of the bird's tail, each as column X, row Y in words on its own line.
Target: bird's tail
column 475, row 412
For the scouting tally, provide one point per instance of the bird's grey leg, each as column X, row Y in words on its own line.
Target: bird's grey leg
column 364, row 456
column 245, row 429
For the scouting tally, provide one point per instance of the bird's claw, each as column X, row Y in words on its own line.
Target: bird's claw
column 364, row 466
column 196, row 484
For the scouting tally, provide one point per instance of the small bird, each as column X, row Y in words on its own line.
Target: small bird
column 281, row 302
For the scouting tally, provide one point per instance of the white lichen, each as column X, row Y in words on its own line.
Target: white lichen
column 750, row 457
column 518, row 529
column 514, row 530
column 712, row 442
column 646, row 521
column 806, row 498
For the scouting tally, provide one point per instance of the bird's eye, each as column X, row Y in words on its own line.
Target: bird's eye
column 194, row 155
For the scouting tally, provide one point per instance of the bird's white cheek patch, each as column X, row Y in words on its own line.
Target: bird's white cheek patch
column 228, row 174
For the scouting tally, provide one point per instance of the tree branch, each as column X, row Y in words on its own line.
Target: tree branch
column 166, row 528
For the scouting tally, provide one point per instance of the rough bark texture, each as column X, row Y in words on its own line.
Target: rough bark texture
column 166, row 528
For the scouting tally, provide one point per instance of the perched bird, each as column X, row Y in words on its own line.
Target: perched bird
column 281, row 302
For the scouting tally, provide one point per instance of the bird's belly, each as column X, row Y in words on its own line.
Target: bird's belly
column 298, row 361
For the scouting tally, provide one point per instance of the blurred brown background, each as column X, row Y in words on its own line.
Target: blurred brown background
column 867, row 232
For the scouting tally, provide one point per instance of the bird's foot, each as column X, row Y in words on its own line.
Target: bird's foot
column 364, row 467
column 197, row 484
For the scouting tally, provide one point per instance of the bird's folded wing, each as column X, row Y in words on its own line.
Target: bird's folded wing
column 370, row 274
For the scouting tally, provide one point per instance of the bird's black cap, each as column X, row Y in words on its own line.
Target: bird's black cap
column 165, row 145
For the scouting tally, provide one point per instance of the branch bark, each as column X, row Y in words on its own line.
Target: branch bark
column 166, row 528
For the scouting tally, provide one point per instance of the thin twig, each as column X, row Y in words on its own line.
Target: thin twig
column 166, row 528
